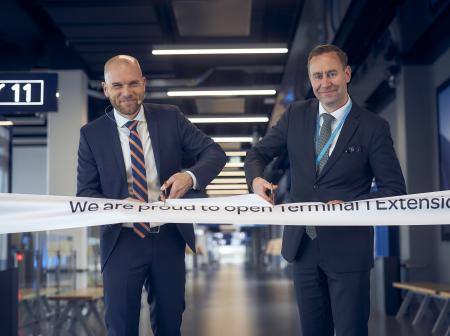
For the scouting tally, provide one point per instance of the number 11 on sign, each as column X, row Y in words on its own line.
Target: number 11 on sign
column 26, row 88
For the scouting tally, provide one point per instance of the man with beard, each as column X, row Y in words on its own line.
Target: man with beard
column 131, row 153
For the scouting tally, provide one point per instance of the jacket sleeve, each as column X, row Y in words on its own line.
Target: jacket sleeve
column 385, row 166
column 88, row 177
column 267, row 149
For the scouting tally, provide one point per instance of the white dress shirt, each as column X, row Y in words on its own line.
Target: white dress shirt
column 338, row 116
column 153, row 184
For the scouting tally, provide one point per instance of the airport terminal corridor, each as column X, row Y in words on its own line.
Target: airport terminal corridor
column 225, row 297
column 322, row 108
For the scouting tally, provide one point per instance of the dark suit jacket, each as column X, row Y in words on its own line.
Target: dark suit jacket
column 101, row 170
column 364, row 150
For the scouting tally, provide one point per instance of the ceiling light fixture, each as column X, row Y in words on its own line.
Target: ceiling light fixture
column 218, row 120
column 236, row 153
column 234, row 164
column 205, row 93
column 228, row 180
column 231, row 173
column 159, row 50
column 233, row 139
column 227, row 187
column 226, row 192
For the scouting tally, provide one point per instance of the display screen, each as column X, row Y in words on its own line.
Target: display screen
column 443, row 106
column 29, row 92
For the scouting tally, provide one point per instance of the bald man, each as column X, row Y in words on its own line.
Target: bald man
column 132, row 152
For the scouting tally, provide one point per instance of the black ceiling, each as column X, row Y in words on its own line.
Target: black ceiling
column 81, row 34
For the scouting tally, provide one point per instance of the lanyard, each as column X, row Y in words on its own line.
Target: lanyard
column 333, row 135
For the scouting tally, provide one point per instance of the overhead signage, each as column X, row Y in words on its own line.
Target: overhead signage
column 28, row 92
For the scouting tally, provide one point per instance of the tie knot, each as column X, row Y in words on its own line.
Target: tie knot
column 327, row 118
column 132, row 124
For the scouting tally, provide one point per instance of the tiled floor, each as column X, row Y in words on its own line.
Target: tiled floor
column 230, row 300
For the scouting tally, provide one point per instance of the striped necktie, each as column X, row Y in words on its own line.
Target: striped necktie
column 324, row 136
column 140, row 191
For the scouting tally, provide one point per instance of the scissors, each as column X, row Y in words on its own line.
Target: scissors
column 272, row 194
column 164, row 195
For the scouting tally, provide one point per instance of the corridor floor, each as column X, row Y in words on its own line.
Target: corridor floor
column 233, row 301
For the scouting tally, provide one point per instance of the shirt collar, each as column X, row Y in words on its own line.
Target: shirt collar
column 121, row 120
column 339, row 113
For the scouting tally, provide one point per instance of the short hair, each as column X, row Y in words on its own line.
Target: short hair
column 328, row 48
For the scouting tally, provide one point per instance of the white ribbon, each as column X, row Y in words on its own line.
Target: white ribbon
column 26, row 213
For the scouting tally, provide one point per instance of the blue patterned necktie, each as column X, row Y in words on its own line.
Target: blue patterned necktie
column 140, row 191
column 324, row 135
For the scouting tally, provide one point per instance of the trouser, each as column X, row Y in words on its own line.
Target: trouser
column 329, row 302
column 156, row 262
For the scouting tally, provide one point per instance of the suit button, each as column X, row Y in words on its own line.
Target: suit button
column 316, row 186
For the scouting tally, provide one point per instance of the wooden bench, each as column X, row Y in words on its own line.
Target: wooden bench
column 445, row 311
column 426, row 291
column 75, row 302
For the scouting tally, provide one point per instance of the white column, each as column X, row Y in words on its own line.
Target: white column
column 62, row 143
column 415, row 107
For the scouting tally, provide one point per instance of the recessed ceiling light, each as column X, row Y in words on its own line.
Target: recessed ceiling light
column 233, row 139
column 236, row 153
column 219, row 50
column 219, row 120
column 231, row 173
column 227, row 187
column 234, row 164
column 204, row 93
column 226, row 192
column 228, row 180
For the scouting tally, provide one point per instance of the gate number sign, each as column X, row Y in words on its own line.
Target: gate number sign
column 28, row 92
column 21, row 92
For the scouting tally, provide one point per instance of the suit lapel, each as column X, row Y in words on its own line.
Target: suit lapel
column 310, row 131
column 152, row 125
column 348, row 129
column 116, row 147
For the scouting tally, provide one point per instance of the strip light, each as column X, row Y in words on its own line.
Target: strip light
column 236, row 153
column 226, row 192
column 216, row 120
column 231, row 173
column 227, row 187
column 201, row 93
column 234, row 164
column 219, row 51
column 6, row 123
column 232, row 139
column 229, row 180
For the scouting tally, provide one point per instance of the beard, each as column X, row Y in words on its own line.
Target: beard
column 127, row 107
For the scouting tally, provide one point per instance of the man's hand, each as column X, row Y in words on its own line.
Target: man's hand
column 260, row 187
column 178, row 184
column 335, row 202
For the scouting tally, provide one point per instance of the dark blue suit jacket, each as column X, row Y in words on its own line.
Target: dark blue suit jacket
column 101, row 170
column 364, row 150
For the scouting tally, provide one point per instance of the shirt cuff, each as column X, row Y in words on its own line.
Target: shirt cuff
column 194, row 180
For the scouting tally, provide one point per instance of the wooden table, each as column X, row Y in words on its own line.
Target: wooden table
column 75, row 301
